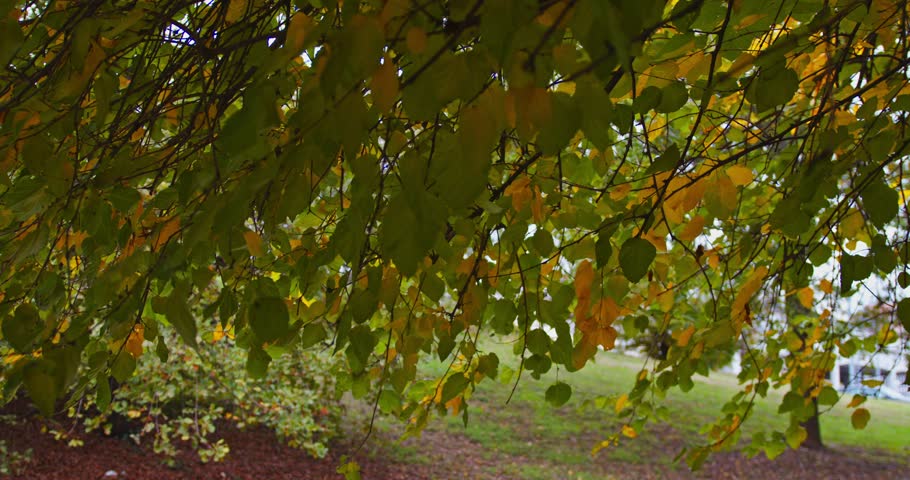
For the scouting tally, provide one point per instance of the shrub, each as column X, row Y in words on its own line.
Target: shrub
column 186, row 395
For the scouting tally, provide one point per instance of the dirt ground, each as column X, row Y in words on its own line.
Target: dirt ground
column 257, row 454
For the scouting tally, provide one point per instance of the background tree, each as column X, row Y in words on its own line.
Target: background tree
column 395, row 178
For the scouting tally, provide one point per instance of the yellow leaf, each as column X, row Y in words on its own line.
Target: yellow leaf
column 620, row 191
column 629, row 431
column 684, row 336
column 385, row 86
column 693, row 195
column 621, row 402
column 740, row 175
column 748, row 289
column 666, row 300
column 600, row 446
column 851, row 225
column 253, row 243
column 416, row 40
column 692, row 229
column 806, row 296
column 220, row 333
column 826, row 286
column 726, row 193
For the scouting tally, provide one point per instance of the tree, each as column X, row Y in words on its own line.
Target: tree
column 394, row 179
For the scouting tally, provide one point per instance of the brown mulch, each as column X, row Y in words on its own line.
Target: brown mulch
column 257, row 454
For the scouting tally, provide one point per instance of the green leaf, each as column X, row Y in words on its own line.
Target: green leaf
column 389, row 401
column 820, row 254
column 560, row 127
column 880, row 202
column 311, row 335
column 542, row 242
column 672, row 97
column 903, row 279
column 433, row 287
column 23, row 328
column 455, row 384
column 11, row 38
column 123, row 367
column 161, row 350
column 773, row 87
column 854, row 268
column 903, row 313
column 796, row 435
column 667, row 161
column 603, row 250
column 828, row 396
column 257, row 362
column 488, row 365
column 176, row 311
column 635, row 257
column 860, row 418
column 648, row 99
column 41, row 385
column 538, row 342
column 269, row 318
column 102, row 393
column 504, row 315
column 363, row 341
column 883, row 255
column 558, row 394
column 407, row 235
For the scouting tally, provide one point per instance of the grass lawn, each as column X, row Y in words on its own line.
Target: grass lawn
column 528, row 438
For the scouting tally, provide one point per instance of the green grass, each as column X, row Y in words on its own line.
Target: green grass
column 537, row 440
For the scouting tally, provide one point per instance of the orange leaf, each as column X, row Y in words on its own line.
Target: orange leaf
column 134, row 341
column 584, row 276
column 856, row 401
column 167, row 231
column 629, row 431
column 416, row 40
column 684, row 336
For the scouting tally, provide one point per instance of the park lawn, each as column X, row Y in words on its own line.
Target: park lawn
column 532, row 439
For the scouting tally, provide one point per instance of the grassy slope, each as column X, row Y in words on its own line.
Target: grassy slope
column 539, row 438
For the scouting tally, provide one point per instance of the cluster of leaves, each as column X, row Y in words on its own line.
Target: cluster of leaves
column 180, row 401
column 397, row 178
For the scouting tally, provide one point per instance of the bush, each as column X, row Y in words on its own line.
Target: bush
column 185, row 396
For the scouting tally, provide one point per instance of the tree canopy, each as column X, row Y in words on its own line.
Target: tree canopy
column 397, row 179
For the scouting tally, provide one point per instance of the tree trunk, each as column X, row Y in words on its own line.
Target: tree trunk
column 813, row 430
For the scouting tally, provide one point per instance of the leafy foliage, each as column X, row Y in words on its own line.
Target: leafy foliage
column 169, row 402
column 397, row 178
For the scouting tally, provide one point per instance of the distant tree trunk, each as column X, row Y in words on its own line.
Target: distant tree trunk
column 813, row 429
